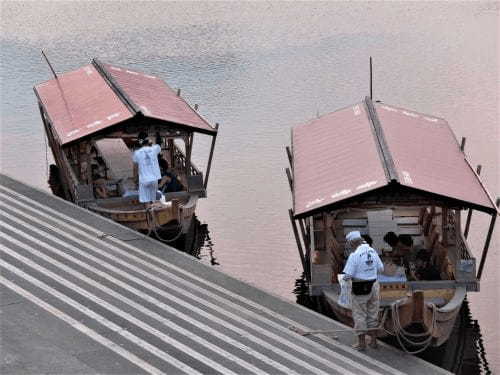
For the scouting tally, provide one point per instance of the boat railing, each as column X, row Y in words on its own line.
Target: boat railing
column 180, row 160
column 464, row 262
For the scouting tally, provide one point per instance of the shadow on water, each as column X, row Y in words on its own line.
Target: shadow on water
column 462, row 354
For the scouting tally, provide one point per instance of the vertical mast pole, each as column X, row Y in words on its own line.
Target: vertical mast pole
column 371, row 79
column 49, row 64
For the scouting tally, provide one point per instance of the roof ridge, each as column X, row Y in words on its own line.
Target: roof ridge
column 122, row 95
column 381, row 143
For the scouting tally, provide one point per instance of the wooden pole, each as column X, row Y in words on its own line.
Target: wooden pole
column 172, row 151
column 305, row 237
column 303, row 231
column 462, row 145
column 469, row 213
column 50, row 65
column 188, row 141
column 444, row 225
column 290, row 179
column 371, row 79
column 290, row 157
column 210, row 156
column 299, row 245
column 486, row 245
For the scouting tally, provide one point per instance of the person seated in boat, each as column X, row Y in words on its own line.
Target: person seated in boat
column 399, row 247
column 406, row 249
column 367, row 239
column 362, row 267
column 146, row 169
column 424, row 269
column 391, row 239
column 99, row 182
column 169, row 181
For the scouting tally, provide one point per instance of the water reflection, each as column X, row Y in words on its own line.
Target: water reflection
column 203, row 246
column 197, row 242
column 462, row 354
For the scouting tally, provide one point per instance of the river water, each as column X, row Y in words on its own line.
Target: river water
column 258, row 69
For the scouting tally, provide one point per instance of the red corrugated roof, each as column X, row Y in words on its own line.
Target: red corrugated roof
column 350, row 152
column 334, row 157
column 155, row 99
column 84, row 101
column 427, row 156
column 80, row 103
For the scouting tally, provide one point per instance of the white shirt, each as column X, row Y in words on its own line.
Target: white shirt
column 364, row 263
column 147, row 160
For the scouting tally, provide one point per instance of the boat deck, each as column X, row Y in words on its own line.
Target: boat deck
column 82, row 294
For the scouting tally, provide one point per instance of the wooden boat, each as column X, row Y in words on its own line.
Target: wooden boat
column 93, row 116
column 376, row 169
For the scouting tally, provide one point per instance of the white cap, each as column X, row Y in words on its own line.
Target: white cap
column 354, row 235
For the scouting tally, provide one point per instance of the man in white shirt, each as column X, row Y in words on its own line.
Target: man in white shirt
column 146, row 160
column 362, row 267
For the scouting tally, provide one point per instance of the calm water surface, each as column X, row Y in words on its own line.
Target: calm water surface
column 258, row 69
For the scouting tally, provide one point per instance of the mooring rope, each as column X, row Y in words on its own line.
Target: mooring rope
column 316, row 332
column 150, row 211
column 403, row 335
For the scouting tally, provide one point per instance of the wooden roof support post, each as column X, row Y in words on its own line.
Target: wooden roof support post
column 188, row 141
column 290, row 179
column 444, row 225
column 462, row 145
column 290, row 157
column 469, row 213
column 305, row 238
column 214, row 137
column 299, row 245
column 487, row 245
column 55, row 151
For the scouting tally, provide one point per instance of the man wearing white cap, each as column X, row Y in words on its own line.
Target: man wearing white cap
column 146, row 169
column 362, row 267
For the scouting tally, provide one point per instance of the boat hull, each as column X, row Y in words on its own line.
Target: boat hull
column 131, row 213
column 399, row 315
